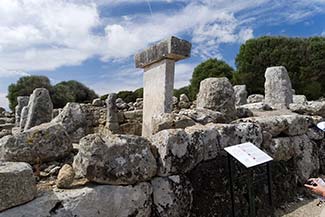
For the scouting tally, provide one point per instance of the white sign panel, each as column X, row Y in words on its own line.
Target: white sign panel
column 248, row 154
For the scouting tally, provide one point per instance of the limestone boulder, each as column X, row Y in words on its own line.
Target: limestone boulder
column 93, row 201
column 170, row 121
column 243, row 112
column 217, row 94
column 23, row 118
column 177, row 154
column 290, row 125
column 18, row 184
column 311, row 108
column 65, row 176
column 278, row 89
column 315, row 134
column 204, row 116
column 21, row 102
column 115, row 159
column 299, row 99
column 206, row 139
column 40, row 108
column 184, row 102
column 233, row 134
column 112, row 123
column 73, row 120
column 172, row 196
column 240, row 94
column 97, row 102
column 255, row 98
column 42, row 143
column 258, row 106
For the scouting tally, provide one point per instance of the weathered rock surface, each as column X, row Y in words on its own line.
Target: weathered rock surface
column 278, row 89
column 255, row 98
column 65, row 176
column 299, row 99
column 170, row 121
column 206, row 139
column 184, row 102
column 42, row 143
column 311, row 108
column 93, row 201
column 256, row 106
column 40, row 108
column 240, row 94
column 243, row 112
column 315, row 134
column 116, row 160
column 97, row 102
column 290, row 125
column 18, row 184
column 204, row 116
column 23, row 117
column 172, row 196
column 112, row 117
column 22, row 101
column 177, row 154
column 233, row 134
column 73, row 119
column 217, row 94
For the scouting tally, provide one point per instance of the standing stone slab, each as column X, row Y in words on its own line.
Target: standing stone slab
column 23, row 118
column 240, row 94
column 22, row 101
column 217, row 94
column 17, row 184
column 158, row 62
column 40, row 108
column 112, row 118
column 278, row 89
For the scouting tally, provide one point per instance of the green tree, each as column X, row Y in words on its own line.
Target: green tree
column 71, row 91
column 304, row 58
column 25, row 86
column 207, row 69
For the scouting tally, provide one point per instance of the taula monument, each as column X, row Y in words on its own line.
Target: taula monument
column 159, row 156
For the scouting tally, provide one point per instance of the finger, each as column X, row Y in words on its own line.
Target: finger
column 309, row 187
column 312, row 179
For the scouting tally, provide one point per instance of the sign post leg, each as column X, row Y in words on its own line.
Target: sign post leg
column 231, row 184
column 251, row 194
column 269, row 180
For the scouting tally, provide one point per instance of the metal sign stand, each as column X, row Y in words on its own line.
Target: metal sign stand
column 250, row 184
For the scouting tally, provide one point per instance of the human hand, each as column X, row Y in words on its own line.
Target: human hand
column 319, row 189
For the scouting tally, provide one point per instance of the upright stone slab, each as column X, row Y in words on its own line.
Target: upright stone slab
column 112, row 117
column 278, row 89
column 23, row 118
column 240, row 94
column 158, row 62
column 40, row 108
column 22, row 101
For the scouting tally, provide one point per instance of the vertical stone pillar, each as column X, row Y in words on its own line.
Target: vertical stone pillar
column 112, row 117
column 22, row 101
column 158, row 62
column 278, row 90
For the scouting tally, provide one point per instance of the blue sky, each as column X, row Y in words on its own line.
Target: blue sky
column 93, row 41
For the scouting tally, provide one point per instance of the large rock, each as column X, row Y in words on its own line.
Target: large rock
column 22, row 101
column 116, row 160
column 184, row 102
column 240, row 94
column 95, row 201
column 42, row 143
column 278, row 89
column 172, row 196
column 299, row 99
column 217, row 94
column 65, row 176
column 290, row 125
column 73, row 119
column 40, row 108
column 204, row 116
column 311, row 108
column 299, row 147
column 255, row 98
column 170, row 121
column 206, row 139
column 233, row 134
column 177, row 154
column 23, row 118
column 18, row 185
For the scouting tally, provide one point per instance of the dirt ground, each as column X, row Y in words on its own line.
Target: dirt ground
column 304, row 208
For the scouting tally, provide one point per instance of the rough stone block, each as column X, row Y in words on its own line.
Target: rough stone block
column 171, row 48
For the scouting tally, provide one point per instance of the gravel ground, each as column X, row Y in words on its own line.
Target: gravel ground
column 305, row 208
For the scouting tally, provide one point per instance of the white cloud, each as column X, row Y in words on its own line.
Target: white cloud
column 3, row 101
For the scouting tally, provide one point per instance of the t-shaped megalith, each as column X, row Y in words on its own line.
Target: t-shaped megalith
column 158, row 62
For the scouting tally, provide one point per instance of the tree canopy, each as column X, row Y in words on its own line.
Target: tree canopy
column 304, row 58
column 61, row 93
column 207, row 69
